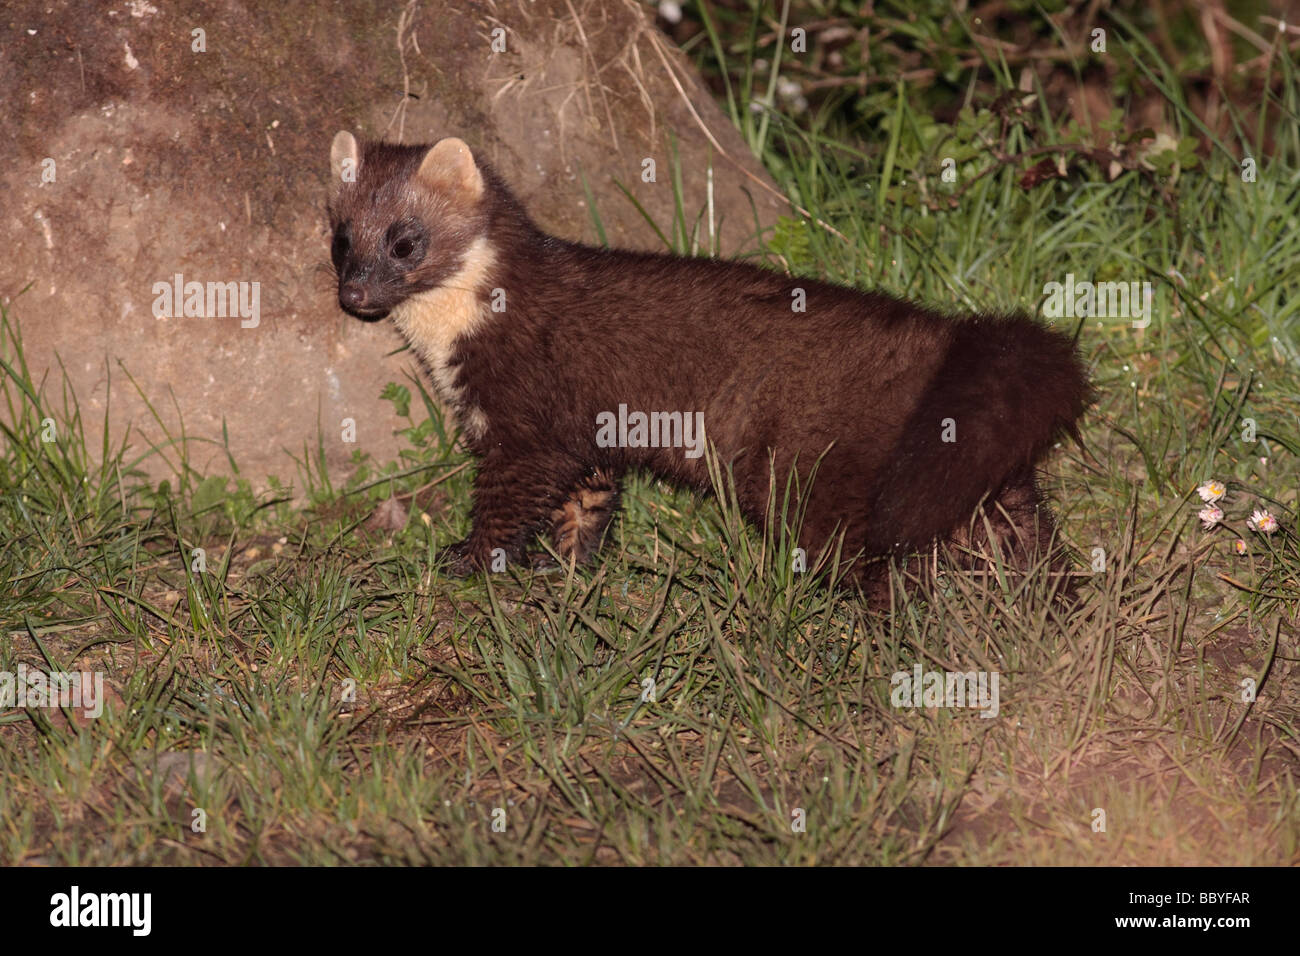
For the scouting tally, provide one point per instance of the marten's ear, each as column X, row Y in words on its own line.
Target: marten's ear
column 345, row 160
column 450, row 164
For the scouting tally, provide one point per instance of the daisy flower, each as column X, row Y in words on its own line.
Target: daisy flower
column 1239, row 546
column 1210, row 516
column 1262, row 521
column 1212, row 491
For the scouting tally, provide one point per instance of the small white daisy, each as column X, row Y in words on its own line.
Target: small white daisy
column 1239, row 546
column 1262, row 521
column 1212, row 491
column 1210, row 516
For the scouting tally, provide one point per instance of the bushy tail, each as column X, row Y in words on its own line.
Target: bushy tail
column 1007, row 389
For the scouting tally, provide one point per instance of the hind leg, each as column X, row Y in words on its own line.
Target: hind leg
column 1017, row 526
column 578, row 524
column 1010, row 524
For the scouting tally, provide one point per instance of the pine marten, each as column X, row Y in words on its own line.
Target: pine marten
column 567, row 366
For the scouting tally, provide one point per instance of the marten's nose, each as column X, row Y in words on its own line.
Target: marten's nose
column 352, row 297
column 356, row 301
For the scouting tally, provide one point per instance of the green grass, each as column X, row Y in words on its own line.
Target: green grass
column 314, row 690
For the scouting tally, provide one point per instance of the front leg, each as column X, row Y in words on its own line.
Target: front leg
column 513, row 498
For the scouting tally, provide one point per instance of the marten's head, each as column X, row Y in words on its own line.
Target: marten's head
column 406, row 220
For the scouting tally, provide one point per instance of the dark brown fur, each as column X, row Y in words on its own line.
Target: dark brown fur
column 862, row 380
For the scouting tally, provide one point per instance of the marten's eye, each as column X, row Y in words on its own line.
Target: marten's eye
column 403, row 248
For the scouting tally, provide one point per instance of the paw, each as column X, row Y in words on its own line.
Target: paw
column 467, row 558
column 460, row 563
column 542, row 562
